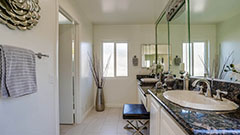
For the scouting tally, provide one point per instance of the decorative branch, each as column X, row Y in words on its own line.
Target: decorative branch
column 204, row 64
column 97, row 73
column 224, row 66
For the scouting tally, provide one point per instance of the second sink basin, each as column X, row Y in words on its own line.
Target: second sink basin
column 149, row 80
column 192, row 99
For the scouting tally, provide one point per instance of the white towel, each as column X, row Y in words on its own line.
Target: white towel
column 18, row 71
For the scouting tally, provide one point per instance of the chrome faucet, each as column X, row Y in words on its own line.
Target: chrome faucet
column 209, row 92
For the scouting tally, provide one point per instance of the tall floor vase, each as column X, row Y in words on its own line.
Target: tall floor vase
column 100, row 105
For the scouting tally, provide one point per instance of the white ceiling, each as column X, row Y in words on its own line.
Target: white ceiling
column 121, row 11
column 213, row 11
column 147, row 11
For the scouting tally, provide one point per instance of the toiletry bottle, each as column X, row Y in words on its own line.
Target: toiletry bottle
column 186, row 82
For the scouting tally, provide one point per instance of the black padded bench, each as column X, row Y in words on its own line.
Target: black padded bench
column 138, row 114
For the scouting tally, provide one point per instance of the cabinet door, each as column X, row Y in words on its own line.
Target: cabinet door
column 148, row 100
column 139, row 96
column 155, row 111
column 168, row 125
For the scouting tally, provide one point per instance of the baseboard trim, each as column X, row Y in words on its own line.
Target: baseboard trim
column 85, row 114
column 114, row 105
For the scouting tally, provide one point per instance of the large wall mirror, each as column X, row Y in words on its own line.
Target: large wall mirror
column 215, row 38
column 205, row 36
column 172, row 29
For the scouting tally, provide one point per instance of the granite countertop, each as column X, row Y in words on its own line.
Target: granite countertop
column 198, row 122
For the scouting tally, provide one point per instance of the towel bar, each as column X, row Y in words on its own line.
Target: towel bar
column 40, row 55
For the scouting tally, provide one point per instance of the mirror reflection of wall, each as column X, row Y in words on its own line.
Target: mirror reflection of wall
column 178, row 35
column 164, row 49
column 206, row 37
column 215, row 38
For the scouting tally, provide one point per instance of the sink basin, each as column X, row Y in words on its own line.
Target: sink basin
column 192, row 99
column 149, row 80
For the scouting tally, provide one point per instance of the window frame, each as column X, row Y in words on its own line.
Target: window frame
column 115, row 58
column 206, row 55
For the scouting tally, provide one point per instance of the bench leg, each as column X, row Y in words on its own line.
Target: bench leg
column 127, row 126
column 138, row 129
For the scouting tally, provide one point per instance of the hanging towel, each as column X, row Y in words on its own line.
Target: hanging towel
column 18, row 71
column 3, row 90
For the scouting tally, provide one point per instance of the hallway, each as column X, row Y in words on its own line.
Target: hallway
column 109, row 122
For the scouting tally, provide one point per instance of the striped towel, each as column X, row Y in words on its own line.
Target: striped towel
column 18, row 71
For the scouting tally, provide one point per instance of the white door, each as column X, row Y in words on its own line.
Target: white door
column 66, row 96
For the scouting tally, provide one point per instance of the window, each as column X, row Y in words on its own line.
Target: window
column 186, row 56
column 108, row 59
column 194, row 58
column 198, row 58
column 115, row 59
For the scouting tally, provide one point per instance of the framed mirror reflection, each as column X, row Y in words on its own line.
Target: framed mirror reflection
column 149, row 55
column 215, row 44
column 204, row 37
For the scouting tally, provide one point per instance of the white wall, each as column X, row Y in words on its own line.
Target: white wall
column 35, row 114
column 84, row 93
column 228, row 39
column 119, row 91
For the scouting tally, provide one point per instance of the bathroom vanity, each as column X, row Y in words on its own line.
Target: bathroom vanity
column 161, row 122
column 180, row 120
column 168, row 118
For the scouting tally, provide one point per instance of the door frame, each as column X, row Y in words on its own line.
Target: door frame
column 76, row 64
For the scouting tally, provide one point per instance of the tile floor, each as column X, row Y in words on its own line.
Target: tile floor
column 109, row 122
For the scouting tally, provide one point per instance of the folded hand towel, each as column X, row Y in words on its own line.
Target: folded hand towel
column 18, row 71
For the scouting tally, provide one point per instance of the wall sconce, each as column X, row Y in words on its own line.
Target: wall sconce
column 135, row 60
